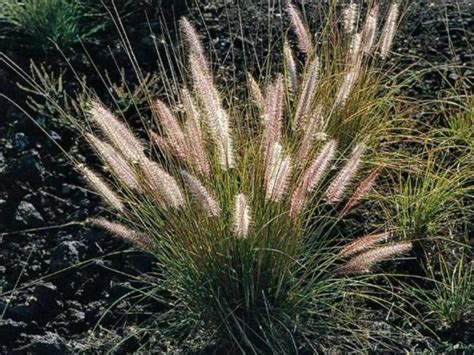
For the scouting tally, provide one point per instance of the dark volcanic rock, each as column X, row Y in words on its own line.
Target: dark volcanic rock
column 26, row 215
column 28, row 166
column 10, row 329
column 50, row 344
column 66, row 254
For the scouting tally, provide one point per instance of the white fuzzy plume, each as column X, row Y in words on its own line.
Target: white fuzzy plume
column 370, row 29
column 388, row 32
column 194, row 136
column 102, row 188
column 216, row 116
column 114, row 161
column 278, row 172
column 117, row 132
column 242, row 217
column 204, row 196
column 312, row 176
column 301, row 31
column 350, row 16
column 343, row 179
column 161, row 183
column 122, row 232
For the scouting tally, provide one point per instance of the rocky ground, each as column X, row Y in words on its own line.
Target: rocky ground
column 56, row 283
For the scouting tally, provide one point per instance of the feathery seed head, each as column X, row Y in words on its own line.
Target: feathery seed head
column 122, row 232
column 102, row 188
column 290, row 66
column 114, row 161
column 117, row 132
column 173, row 130
column 242, row 218
column 161, row 183
column 302, row 32
column 370, row 29
column 364, row 187
column 343, row 179
column 364, row 262
column 308, row 92
column 350, row 17
column 279, row 170
column 389, row 30
column 204, row 196
column 363, row 243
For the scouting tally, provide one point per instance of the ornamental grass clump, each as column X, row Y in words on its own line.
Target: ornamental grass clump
column 238, row 206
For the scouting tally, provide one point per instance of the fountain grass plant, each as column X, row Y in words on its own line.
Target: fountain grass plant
column 239, row 203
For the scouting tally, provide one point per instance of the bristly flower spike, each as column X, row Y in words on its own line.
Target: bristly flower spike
column 114, row 161
column 350, row 16
column 312, row 176
column 195, row 46
column 161, row 183
column 302, row 33
column 388, row 32
column 173, row 130
column 364, row 262
column 290, row 66
column 279, row 170
column 343, row 179
column 204, row 196
column 194, row 138
column 242, row 218
column 217, row 118
column 256, row 93
column 370, row 29
column 364, row 243
column 364, row 187
column 273, row 115
column 122, row 232
column 308, row 92
column 117, row 132
column 102, row 188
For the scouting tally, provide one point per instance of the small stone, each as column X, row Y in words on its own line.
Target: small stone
column 50, row 343
column 66, row 254
column 20, row 141
column 26, row 215
column 10, row 329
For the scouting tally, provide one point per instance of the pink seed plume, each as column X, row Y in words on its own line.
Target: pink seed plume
column 312, row 176
column 279, row 171
column 193, row 134
column 364, row 187
column 122, row 232
column 173, row 130
column 370, row 29
column 117, row 132
column 102, row 188
column 311, row 129
column 302, row 32
column 242, row 217
column 290, row 66
column 308, row 92
column 388, row 32
column 195, row 46
column 256, row 93
column 217, row 118
column 350, row 16
column 363, row 243
column 364, row 262
column 273, row 115
column 161, row 183
column 343, row 179
column 114, row 161
column 204, row 196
